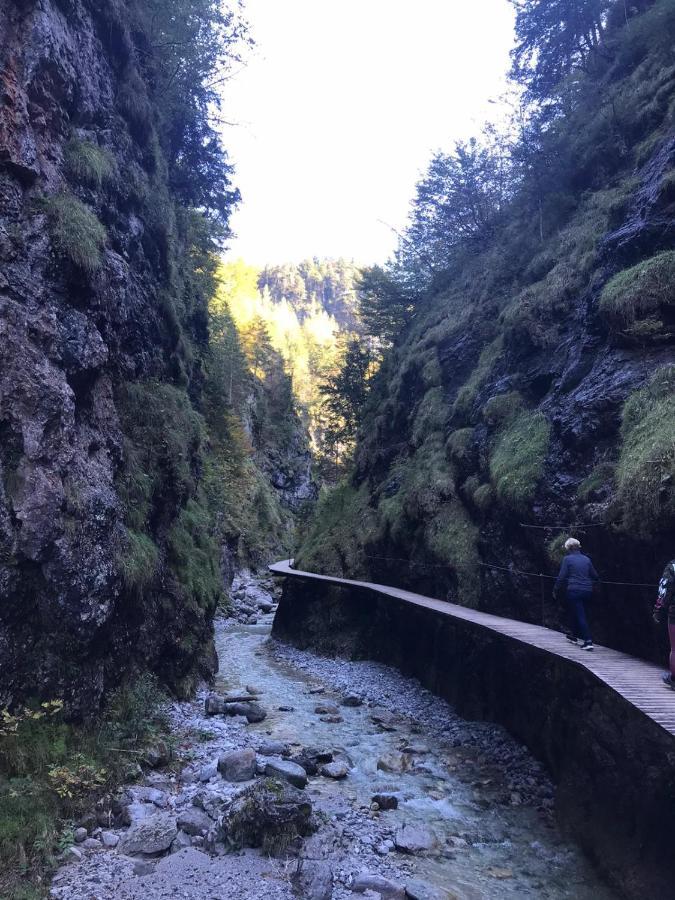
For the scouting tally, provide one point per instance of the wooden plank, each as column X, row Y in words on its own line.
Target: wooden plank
column 636, row 680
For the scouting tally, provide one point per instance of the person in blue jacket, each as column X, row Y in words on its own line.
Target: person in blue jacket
column 576, row 579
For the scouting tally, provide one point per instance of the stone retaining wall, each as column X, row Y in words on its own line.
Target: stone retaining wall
column 614, row 767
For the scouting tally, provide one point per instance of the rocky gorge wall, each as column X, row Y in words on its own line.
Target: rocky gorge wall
column 121, row 506
column 612, row 765
column 530, row 396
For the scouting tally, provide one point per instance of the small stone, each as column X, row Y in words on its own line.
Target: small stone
column 180, row 842
column 383, row 848
column 336, row 770
column 194, row 821
column 238, row 765
column 208, row 771
column 73, row 854
column 383, row 718
column 326, row 709
column 291, row 772
column 332, row 720
column 383, row 886
column 109, row 839
column 499, row 873
column 414, row 839
column 352, row 700
column 92, row 844
column 143, row 867
column 317, row 690
column 157, row 755
column 386, row 801
column 80, row 835
column 254, row 712
column 274, row 748
column 286, row 708
column 393, row 762
column 420, row 890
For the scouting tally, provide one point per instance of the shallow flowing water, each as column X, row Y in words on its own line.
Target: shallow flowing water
column 494, row 841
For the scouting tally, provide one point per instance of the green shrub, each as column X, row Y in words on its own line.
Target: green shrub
column 601, row 475
column 502, row 408
column 136, row 713
column 75, row 231
column 517, row 459
column 636, row 296
column 87, row 163
column 133, row 103
column 646, row 469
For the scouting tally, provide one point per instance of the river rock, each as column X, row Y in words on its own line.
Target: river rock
column 208, row 771
column 158, row 755
column 254, row 712
column 385, row 719
column 313, row 879
column 351, row 699
column 336, row 770
column 135, row 812
column 109, row 839
column 144, row 794
column 311, row 760
column 73, row 854
column 326, row 709
column 414, row 839
column 393, row 762
column 269, row 814
column 420, row 890
column 289, row 771
column 80, row 835
column 274, row 748
column 150, row 836
column 180, row 842
column 91, row 843
column 194, row 821
column 238, row 765
column 378, row 883
column 386, row 801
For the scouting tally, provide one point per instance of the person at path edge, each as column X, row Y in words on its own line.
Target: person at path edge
column 576, row 578
column 665, row 606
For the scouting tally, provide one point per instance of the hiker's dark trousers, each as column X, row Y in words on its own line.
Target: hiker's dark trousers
column 576, row 611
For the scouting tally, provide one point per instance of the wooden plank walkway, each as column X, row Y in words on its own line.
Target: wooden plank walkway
column 637, row 681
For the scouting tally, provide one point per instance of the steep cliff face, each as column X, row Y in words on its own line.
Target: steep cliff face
column 102, row 326
column 532, row 395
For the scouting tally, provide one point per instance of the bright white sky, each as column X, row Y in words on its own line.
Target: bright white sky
column 339, row 109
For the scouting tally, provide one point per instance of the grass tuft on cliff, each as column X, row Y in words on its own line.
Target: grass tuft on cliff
column 88, row 164
column 75, row 231
column 645, row 474
column 517, row 459
column 634, row 299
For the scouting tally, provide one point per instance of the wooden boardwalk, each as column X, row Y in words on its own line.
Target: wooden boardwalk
column 637, row 681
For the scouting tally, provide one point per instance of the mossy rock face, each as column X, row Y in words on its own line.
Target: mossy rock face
column 645, row 473
column 636, row 300
column 517, row 459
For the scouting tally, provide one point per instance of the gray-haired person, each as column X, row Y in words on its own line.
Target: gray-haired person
column 576, row 579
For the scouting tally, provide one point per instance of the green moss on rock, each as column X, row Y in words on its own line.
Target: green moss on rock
column 634, row 299
column 645, row 472
column 517, row 459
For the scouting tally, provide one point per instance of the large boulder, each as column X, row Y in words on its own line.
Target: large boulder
column 194, row 821
column 270, row 814
column 415, row 839
column 150, row 836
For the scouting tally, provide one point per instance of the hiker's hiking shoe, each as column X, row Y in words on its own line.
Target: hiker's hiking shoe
column 668, row 681
column 571, row 638
column 587, row 645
